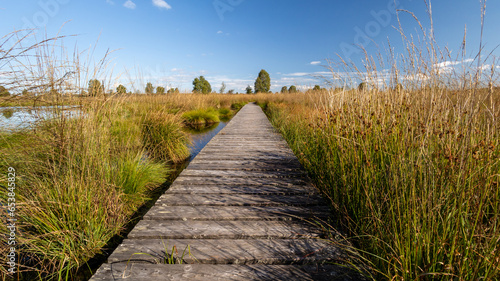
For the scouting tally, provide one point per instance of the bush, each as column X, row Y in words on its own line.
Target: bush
column 201, row 117
column 225, row 113
column 121, row 89
column 160, row 90
column 237, row 105
column 4, row 92
column 163, row 137
column 95, row 88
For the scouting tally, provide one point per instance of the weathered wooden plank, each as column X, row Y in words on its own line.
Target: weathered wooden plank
column 242, row 189
column 246, row 213
column 235, row 156
column 220, row 165
column 242, row 174
column 241, row 181
column 148, row 229
column 293, row 164
column 229, row 251
column 168, row 199
column 204, row 272
column 245, row 205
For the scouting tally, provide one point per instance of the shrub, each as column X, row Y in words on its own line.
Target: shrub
column 201, row 117
column 95, row 88
column 163, row 137
column 225, row 113
column 121, row 89
column 4, row 92
column 237, row 105
column 160, row 90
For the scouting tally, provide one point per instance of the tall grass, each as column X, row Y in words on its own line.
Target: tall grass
column 81, row 178
column 411, row 167
column 164, row 138
column 412, row 178
column 201, row 116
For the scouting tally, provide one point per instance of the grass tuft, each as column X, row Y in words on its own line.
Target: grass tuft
column 163, row 137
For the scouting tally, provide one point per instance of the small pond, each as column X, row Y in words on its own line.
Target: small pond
column 201, row 137
column 22, row 117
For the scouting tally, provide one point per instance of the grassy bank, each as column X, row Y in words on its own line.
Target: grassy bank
column 80, row 179
column 413, row 176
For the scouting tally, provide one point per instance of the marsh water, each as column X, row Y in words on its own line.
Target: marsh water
column 200, row 137
column 22, row 117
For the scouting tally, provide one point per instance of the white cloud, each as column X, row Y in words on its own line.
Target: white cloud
column 447, row 64
column 219, row 32
column 129, row 4
column 298, row 74
column 485, row 67
column 162, row 4
column 315, row 62
column 110, row 2
column 416, row 77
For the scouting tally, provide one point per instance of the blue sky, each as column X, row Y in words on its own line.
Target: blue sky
column 171, row 42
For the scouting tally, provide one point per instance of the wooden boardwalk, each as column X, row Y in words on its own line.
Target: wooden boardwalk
column 243, row 207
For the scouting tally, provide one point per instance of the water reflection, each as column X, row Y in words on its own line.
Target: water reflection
column 19, row 117
column 202, row 136
column 7, row 113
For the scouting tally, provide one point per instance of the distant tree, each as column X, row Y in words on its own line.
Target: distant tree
column 8, row 113
column 160, row 90
column 173, row 91
column 201, row 85
column 249, row 90
column 4, row 92
column 25, row 93
column 317, row 88
column 362, row 86
column 284, row 90
column 222, row 88
column 292, row 89
column 95, row 88
column 263, row 82
column 149, row 88
column 121, row 89
column 231, row 91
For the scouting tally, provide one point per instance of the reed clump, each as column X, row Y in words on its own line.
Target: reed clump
column 410, row 161
column 413, row 176
column 164, row 138
column 201, row 116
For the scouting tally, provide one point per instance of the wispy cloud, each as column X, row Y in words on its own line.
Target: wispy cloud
column 299, row 74
column 129, row 4
column 315, row 62
column 447, row 66
column 110, row 2
column 219, row 32
column 162, row 4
